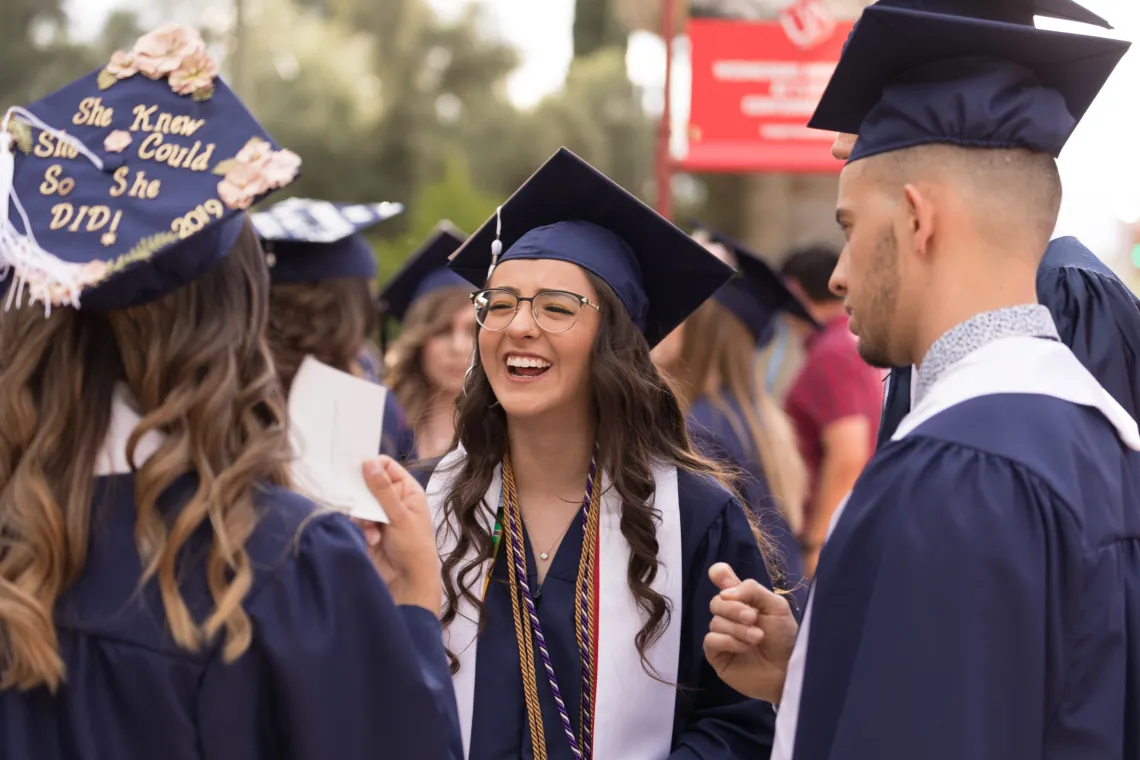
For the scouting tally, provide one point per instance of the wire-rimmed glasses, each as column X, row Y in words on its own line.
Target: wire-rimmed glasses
column 555, row 311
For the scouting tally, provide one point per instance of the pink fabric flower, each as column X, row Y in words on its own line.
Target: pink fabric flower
column 117, row 141
column 241, row 185
column 197, row 72
column 281, row 168
column 162, row 51
column 122, row 65
column 255, row 152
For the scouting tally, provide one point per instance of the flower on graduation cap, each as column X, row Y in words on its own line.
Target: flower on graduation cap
column 117, row 141
column 255, row 170
column 162, row 51
column 195, row 76
column 174, row 51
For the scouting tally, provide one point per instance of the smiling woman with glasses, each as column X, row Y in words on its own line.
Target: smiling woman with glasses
column 575, row 521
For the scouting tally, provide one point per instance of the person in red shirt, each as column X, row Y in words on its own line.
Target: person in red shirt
column 836, row 399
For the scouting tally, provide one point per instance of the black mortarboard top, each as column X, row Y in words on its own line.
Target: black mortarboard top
column 911, row 78
column 757, row 295
column 147, row 189
column 311, row 241
column 569, row 211
column 425, row 271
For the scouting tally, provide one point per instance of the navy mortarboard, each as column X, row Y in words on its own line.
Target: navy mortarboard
column 757, row 295
column 569, row 211
column 310, row 241
column 910, row 78
column 1010, row 11
column 130, row 182
column 425, row 271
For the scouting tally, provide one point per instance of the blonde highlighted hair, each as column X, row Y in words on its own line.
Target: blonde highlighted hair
column 717, row 346
column 198, row 367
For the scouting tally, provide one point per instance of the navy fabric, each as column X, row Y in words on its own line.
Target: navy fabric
column 569, row 211
column 1010, row 11
column 719, row 433
column 335, row 668
column 309, row 241
column 909, row 77
column 156, row 214
column 980, row 595
column 424, row 272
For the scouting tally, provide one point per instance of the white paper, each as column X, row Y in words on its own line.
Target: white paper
column 336, row 423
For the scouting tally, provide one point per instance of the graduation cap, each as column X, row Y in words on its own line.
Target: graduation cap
column 131, row 182
column 1010, row 11
column 310, row 241
column 569, row 211
column 757, row 294
column 911, row 78
column 425, row 271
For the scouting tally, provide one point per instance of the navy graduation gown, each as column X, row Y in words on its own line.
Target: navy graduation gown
column 711, row 722
column 988, row 565
column 1097, row 317
column 335, row 669
column 398, row 438
column 714, row 435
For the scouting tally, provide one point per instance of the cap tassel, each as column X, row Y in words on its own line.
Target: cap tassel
column 496, row 244
column 47, row 278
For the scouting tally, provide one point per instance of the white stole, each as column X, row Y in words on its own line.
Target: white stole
column 633, row 713
column 1021, row 365
column 112, row 459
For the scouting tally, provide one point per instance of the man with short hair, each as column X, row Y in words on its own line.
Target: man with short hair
column 979, row 594
column 834, row 401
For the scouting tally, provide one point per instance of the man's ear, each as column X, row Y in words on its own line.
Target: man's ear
column 921, row 218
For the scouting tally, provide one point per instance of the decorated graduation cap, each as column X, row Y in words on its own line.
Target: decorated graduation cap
column 424, row 272
column 757, row 294
column 310, row 241
column 132, row 181
column 569, row 211
column 909, row 78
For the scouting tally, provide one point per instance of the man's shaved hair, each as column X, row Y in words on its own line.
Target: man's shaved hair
column 1010, row 193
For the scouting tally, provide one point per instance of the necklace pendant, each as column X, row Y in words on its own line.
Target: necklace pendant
column 544, row 556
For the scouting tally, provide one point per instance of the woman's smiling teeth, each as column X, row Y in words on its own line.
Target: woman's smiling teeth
column 519, row 365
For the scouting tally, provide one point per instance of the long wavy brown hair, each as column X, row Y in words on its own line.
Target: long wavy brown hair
column 639, row 422
column 329, row 320
column 430, row 315
column 717, row 346
column 197, row 365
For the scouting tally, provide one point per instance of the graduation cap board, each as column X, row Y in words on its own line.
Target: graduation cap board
column 1010, row 11
column 309, row 240
column 910, row 78
column 132, row 181
column 569, row 211
column 757, row 295
column 425, row 271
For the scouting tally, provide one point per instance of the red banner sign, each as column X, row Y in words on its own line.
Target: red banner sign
column 754, row 87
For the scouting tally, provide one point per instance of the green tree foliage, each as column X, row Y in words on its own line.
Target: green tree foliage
column 36, row 56
column 596, row 26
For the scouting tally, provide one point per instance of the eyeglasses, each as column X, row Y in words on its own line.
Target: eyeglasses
column 555, row 311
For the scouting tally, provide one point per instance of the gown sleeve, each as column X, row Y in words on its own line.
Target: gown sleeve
column 336, row 669
column 716, row 722
column 954, row 585
column 1099, row 319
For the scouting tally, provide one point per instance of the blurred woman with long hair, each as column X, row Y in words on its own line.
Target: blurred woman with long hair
column 576, row 523
column 731, row 416
column 321, row 304
column 163, row 592
column 428, row 360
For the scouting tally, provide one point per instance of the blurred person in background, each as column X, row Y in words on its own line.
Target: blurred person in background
column 429, row 359
column 321, row 303
column 836, row 400
column 163, row 591
column 731, row 418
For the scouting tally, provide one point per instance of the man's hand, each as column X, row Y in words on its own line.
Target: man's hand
column 751, row 636
column 404, row 550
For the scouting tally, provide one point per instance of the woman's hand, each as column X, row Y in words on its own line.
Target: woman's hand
column 404, row 550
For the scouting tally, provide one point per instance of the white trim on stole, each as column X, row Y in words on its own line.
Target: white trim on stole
column 1009, row 365
column 633, row 716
